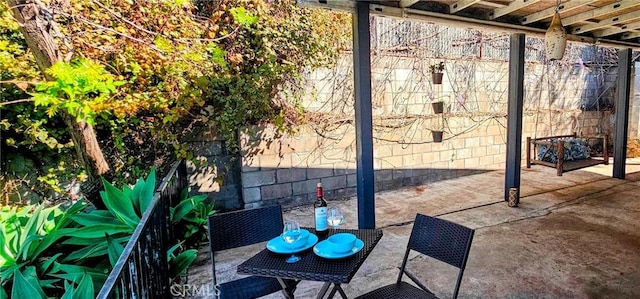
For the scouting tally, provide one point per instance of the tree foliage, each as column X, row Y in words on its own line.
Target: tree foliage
column 148, row 72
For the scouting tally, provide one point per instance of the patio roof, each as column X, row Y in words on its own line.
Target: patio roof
column 613, row 23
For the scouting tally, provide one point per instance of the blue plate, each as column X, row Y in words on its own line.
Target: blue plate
column 323, row 249
column 278, row 245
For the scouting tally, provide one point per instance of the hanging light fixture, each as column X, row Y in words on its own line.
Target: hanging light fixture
column 555, row 39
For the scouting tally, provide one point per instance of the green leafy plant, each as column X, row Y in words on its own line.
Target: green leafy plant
column 189, row 219
column 80, row 89
column 179, row 263
column 191, row 214
column 105, row 232
column 30, row 248
column 26, row 233
column 437, row 68
column 124, row 209
column 27, row 285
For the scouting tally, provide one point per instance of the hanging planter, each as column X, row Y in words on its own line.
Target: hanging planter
column 438, row 107
column 555, row 39
column 436, row 78
column 437, row 136
column 436, row 72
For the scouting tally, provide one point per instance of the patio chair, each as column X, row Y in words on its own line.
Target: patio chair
column 440, row 239
column 240, row 228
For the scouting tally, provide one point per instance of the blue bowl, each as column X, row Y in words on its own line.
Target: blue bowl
column 342, row 242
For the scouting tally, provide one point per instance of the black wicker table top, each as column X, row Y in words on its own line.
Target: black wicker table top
column 311, row 266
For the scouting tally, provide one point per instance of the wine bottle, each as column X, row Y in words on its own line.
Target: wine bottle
column 320, row 209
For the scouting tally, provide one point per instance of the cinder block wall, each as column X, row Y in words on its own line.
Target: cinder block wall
column 286, row 168
column 214, row 171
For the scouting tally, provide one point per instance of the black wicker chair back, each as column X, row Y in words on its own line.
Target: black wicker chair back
column 240, row 228
column 440, row 239
column 245, row 227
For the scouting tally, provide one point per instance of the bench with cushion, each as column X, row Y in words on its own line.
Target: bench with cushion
column 565, row 152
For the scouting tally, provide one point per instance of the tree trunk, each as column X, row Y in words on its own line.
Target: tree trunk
column 36, row 24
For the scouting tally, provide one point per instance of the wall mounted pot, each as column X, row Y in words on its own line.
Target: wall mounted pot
column 437, row 136
column 438, row 107
column 436, row 78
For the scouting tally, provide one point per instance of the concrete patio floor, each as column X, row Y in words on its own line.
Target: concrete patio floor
column 575, row 236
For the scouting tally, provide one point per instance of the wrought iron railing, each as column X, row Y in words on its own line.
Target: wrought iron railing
column 142, row 271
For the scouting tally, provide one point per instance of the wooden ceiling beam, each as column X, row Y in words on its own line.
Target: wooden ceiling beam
column 624, row 18
column 549, row 12
column 601, row 11
column 616, row 30
column 631, row 35
column 408, row 3
column 492, row 4
column 511, row 7
column 462, row 4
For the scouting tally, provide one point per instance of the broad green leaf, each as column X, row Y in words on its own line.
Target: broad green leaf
column 25, row 250
column 186, row 206
column 127, row 191
column 85, row 288
column 31, row 277
column 23, row 289
column 74, row 269
column 97, row 276
column 30, row 228
column 122, row 238
column 171, row 250
column 98, row 231
column 135, row 195
column 120, row 205
column 96, row 217
column 51, row 239
column 75, row 208
column 49, row 283
column 45, row 266
column 182, row 262
column 68, row 290
column 99, row 249
column 3, row 294
column 6, row 256
column 114, row 250
column 146, row 194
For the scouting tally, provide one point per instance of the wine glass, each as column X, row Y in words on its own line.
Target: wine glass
column 290, row 235
column 334, row 217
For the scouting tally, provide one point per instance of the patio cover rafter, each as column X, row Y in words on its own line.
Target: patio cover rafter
column 629, row 17
column 549, row 12
column 511, row 7
column 616, row 30
column 601, row 11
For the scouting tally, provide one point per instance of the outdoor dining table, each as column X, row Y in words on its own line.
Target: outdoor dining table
column 312, row 267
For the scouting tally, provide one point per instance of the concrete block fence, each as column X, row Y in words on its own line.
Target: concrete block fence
column 286, row 168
